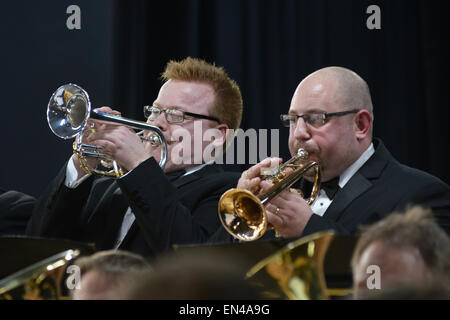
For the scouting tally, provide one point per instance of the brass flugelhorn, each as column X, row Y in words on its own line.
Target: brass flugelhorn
column 68, row 112
column 243, row 214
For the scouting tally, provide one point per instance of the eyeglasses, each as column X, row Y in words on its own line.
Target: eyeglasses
column 172, row 115
column 315, row 120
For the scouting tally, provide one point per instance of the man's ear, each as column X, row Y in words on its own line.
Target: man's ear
column 222, row 140
column 362, row 123
column 217, row 138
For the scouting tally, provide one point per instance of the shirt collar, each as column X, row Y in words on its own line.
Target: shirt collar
column 197, row 168
column 354, row 167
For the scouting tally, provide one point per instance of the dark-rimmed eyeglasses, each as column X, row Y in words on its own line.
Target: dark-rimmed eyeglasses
column 172, row 115
column 315, row 119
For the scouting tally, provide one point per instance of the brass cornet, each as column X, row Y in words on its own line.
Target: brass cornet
column 68, row 112
column 243, row 214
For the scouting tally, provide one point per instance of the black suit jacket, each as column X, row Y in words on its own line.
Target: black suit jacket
column 381, row 186
column 181, row 212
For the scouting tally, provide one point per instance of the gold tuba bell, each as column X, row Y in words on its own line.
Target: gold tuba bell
column 295, row 272
column 43, row 280
column 68, row 112
column 243, row 214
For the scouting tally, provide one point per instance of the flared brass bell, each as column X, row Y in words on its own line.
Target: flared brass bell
column 295, row 272
column 243, row 214
column 40, row 281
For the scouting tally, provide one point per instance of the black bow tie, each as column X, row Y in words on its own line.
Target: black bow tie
column 330, row 187
column 172, row 176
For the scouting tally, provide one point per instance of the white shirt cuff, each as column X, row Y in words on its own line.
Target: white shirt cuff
column 72, row 175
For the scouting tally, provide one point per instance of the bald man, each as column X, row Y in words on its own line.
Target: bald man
column 331, row 116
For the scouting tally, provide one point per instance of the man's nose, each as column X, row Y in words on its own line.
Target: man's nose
column 301, row 130
column 160, row 122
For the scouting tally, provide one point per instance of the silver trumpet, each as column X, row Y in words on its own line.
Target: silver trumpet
column 68, row 112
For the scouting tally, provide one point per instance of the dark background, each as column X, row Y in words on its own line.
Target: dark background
column 266, row 46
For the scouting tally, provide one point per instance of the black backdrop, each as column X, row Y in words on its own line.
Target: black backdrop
column 266, row 46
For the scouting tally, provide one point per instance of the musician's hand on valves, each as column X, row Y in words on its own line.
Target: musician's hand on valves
column 92, row 127
column 120, row 142
column 251, row 178
column 288, row 212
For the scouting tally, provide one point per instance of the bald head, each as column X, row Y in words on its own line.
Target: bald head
column 340, row 139
column 349, row 90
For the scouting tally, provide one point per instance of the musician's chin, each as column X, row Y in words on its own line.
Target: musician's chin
column 309, row 175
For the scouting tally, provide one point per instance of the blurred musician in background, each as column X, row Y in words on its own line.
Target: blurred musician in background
column 404, row 249
column 15, row 211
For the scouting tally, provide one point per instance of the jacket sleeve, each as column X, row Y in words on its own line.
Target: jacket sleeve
column 162, row 216
column 57, row 213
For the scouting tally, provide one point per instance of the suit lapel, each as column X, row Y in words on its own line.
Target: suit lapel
column 129, row 236
column 182, row 181
column 113, row 217
column 361, row 181
column 185, row 180
column 208, row 169
column 357, row 185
